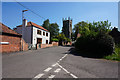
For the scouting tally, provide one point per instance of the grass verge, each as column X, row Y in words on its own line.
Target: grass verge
column 115, row 55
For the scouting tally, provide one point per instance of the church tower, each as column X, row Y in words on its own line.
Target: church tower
column 67, row 27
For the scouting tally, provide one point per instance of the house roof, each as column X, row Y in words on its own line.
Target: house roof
column 33, row 24
column 5, row 29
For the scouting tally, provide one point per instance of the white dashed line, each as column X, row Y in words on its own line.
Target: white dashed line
column 62, row 58
column 51, row 76
column 67, row 71
column 39, row 76
column 48, row 69
column 54, row 65
column 64, row 55
column 57, row 70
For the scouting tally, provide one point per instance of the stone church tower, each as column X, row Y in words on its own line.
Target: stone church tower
column 67, row 27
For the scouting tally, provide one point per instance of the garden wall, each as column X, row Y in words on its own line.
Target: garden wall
column 47, row 45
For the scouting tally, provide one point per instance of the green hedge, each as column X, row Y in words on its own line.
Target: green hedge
column 55, row 39
column 98, row 45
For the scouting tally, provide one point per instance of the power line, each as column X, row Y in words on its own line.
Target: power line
column 30, row 10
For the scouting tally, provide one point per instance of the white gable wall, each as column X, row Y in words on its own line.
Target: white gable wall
column 44, row 38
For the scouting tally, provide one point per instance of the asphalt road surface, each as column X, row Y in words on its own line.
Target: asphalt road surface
column 55, row 62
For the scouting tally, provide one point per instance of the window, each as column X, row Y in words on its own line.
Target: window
column 39, row 32
column 46, row 41
column 46, row 34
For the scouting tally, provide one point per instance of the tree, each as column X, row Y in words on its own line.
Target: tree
column 85, row 28
column 46, row 24
column 53, row 28
column 61, row 38
column 82, row 28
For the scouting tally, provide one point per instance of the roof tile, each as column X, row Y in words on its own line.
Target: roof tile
column 5, row 29
column 31, row 23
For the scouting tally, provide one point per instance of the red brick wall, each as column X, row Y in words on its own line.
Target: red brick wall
column 25, row 45
column 14, row 43
column 46, row 45
column 55, row 43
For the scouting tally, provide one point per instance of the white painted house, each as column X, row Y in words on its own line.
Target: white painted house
column 33, row 33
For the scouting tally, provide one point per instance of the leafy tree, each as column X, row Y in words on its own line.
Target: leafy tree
column 82, row 28
column 68, row 40
column 46, row 24
column 85, row 28
column 61, row 38
column 55, row 39
column 53, row 28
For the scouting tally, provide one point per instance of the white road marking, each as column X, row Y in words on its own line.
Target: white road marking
column 51, row 76
column 67, row 71
column 62, row 58
column 57, row 70
column 54, row 65
column 48, row 69
column 64, row 55
column 73, row 76
column 39, row 76
column 63, row 68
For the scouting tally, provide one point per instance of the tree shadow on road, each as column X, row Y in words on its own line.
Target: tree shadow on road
column 75, row 52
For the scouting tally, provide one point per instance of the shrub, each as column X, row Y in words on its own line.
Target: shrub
column 55, row 39
column 98, row 45
column 115, row 55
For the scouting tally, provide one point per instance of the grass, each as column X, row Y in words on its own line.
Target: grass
column 115, row 55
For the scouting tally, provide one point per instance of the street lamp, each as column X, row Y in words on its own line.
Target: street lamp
column 23, row 14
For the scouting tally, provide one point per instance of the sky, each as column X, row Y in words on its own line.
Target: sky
column 55, row 11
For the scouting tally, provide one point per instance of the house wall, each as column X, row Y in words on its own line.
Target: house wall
column 44, row 38
column 24, row 45
column 14, row 43
column 26, row 35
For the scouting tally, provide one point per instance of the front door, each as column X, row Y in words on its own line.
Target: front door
column 39, row 40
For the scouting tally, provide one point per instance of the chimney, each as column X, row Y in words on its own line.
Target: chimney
column 24, row 23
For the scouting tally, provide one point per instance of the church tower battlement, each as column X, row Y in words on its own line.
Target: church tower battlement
column 67, row 27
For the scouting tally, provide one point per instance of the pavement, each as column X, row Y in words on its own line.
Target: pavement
column 55, row 62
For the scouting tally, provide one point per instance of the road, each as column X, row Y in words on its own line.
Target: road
column 56, row 62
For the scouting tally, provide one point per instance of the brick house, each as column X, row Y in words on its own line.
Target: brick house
column 33, row 33
column 10, row 40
